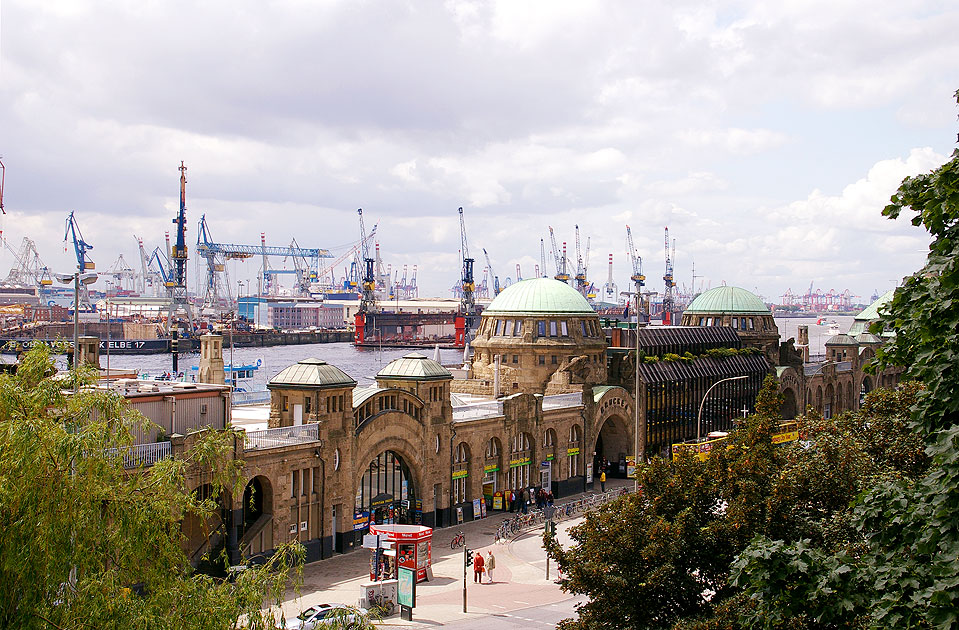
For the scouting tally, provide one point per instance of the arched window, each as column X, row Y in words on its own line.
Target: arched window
column 573, row 451
column 549, row 438
column 461, row 462
column 520, row 463
column 491, row 467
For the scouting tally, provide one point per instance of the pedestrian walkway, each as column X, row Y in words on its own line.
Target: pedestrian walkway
column 519, row 578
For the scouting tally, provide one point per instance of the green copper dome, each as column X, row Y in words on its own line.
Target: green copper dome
column 311, row 373
column 539, row 296
column 871, row 312
column 728, row 300
column 414, row 366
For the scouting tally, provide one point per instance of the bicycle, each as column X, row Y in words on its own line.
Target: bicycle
column 380, row 606
column 459, row 540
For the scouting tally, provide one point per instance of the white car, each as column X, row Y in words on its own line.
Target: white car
column 324, row 615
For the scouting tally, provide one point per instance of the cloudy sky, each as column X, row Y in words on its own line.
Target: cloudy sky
column 767, row 135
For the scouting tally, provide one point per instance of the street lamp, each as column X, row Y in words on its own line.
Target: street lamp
column 699, row 416
column 87, row 278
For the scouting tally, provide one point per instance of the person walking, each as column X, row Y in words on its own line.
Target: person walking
column 478, row 568
column 490, row 565
column 602, row 481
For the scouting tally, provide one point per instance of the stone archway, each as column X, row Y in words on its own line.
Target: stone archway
column 386, row 491
column 204, row 536
column 255, row 527
column 789, row 406
column 613, row 443
column 864, row 388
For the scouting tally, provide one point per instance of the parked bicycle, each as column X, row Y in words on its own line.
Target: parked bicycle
column 458, row 540
column 380, row 605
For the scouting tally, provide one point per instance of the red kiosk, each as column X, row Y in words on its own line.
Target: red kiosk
column 412, row 548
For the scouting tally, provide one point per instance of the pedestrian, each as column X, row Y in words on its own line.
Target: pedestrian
column 549, row 498
column 602, row 480
column 490, row 565
column 524, row 501
column 478, row 568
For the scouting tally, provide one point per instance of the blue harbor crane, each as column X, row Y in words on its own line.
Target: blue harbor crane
column 639, row 280
column 84, row 263
column 368, row 293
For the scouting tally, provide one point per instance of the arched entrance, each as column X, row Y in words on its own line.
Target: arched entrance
column 386, row 493
column 864, row 389
column 205, row 537
column 257, row 501
column 788, row 408
column 613, row 444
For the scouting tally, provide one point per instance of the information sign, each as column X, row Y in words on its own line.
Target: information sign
column 406, row 587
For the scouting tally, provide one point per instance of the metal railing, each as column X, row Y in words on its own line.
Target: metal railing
column 143, row 454
column 478, row 410
column 560, row 401
column 281, row 436
column 238, row 399
column 536, row 517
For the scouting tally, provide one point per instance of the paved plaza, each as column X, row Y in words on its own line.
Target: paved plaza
column 519, row 580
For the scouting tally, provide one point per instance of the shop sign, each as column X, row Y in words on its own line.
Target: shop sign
column 459, row 474
column 572, row 451
column 550, row 457
column 361, row 519
column 518, row 462
column 489, row 468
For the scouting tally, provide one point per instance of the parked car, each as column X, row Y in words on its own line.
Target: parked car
column 324, row 616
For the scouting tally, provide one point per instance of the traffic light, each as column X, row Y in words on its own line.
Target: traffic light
column 550, row 528
column 469, row 557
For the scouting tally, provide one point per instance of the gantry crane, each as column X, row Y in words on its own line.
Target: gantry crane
column 639, row 280
column 124, row 277
column 217, row 297
column 29, row 270
column 669, row 284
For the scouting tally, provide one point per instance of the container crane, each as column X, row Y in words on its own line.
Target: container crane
column 669, row 284
column 489, row 266
column 214, row 299
column 30, row 270
column 560, row 258
column 467, row 282
column 639, row 280
column 123, row 275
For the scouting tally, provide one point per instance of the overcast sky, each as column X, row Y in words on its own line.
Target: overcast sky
column 768, row 136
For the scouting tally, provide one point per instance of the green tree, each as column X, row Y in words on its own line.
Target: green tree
column 85, row 542
column 903, row 570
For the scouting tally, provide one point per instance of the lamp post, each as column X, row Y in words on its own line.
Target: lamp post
column 637, row 455
column 87, row 278
column 699, row 416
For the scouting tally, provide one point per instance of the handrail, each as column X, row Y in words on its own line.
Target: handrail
column 281, row 436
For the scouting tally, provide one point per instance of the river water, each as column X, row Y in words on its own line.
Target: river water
column 363, row 363
column 360, row 363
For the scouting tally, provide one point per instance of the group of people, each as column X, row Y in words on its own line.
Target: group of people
column 520, row 500
column 484, row 565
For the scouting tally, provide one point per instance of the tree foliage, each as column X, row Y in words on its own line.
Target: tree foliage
column 902, row 569
column 85, row 542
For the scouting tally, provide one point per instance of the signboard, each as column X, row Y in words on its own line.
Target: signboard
column 361, row 519
column 476, row 508
column 489, row 468
column 371, row 541
column 550, row 457
column 406, row 587
column 630, row 466
column 460, row 474
column 572, row 451
column 589, row 472
column 519, row 462
column 498, row 501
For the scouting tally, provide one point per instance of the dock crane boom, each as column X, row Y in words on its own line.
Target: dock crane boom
column 467, row 281
column 79, row 245
column 581, row 284
column 3, row 177
column 542, row 259
column 639, row 280
column 489, row 265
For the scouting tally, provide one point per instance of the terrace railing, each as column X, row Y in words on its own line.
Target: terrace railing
column 560, row 401
column 281, row 436
column 478, row 410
